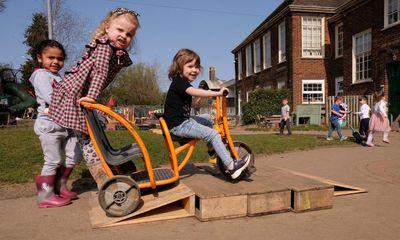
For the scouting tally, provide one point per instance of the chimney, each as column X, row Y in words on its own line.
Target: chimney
column 212, row 73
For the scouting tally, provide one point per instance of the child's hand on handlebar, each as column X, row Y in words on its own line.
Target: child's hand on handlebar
column 224, row 91
column 86, row 99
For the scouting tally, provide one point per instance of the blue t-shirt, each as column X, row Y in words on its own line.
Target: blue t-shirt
column 335, row 108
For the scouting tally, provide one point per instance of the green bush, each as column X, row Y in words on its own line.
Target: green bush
column 265, row 102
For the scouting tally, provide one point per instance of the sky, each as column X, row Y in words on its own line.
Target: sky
column 212, row 28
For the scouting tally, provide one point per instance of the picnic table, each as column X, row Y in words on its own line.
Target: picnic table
column 268, row 121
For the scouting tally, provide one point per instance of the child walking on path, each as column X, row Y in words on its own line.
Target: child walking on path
column 184, row 69
column 379, row 121
column 364, row 117
column 105, row 56
column 336, row 113
column 285, row 116
column 55, row 140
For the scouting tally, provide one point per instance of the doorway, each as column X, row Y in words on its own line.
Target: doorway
column 393, row 70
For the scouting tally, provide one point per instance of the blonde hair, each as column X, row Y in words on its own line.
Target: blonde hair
column 101, row 29
column 182, row 57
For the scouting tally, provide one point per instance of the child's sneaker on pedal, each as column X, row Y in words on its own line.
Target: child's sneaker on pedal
column 239, row 166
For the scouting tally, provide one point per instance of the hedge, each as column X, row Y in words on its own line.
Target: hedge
column 265, row 102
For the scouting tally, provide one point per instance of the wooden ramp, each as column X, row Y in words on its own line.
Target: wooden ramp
column 340, row 189
column 209, row 196
column 171, row 203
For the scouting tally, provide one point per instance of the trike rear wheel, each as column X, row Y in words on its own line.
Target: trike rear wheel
column 119, row 196
column 242, row 149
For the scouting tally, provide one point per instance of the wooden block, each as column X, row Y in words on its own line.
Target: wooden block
column 179, row 201
column 221, row 207
column 217, row 198
column 307, row 194
column 312, row 199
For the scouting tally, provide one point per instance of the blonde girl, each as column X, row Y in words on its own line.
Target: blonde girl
column 105, row 56
column 379, row 121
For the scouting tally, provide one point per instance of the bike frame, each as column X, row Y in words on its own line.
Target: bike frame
column 220, row 125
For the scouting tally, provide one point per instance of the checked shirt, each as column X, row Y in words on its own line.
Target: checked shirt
column 93, row 73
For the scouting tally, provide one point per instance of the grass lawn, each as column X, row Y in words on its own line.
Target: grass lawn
column 21, row 155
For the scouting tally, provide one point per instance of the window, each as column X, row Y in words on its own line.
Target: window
column 338, row 86
column 313, row 91
column 312, row 36
column 239, row 70
column 339, row 40
column 282, row 42
column 249, row 63
column 362, row 59
column 267, row 50
column 281, row 82
column 248, row 95
column 392, row 11
column 257, row 56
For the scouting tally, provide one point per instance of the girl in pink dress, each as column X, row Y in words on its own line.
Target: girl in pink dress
column 379, row 121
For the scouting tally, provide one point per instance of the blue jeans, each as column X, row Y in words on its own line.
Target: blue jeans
column 201, row 127
column 335, row 125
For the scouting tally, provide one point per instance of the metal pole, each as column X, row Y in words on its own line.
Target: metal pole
column 49, row 19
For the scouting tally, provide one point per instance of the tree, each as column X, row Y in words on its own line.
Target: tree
column 34, row 34
column 69, row 29
column 136, row 85
column 2, row 5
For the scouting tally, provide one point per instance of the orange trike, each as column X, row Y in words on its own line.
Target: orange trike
column 120, row 194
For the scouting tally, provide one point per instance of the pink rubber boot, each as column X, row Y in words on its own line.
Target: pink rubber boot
column 45, row 193
column 61, row 188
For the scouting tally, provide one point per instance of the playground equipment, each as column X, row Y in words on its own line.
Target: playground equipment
column 14, row 98
column 120, row 194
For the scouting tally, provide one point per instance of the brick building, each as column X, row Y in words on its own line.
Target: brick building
column 322, row 48
column 366, row 50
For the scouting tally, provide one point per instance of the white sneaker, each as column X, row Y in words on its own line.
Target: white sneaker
column 239, row 166
column 343, row 138
column 329, row 138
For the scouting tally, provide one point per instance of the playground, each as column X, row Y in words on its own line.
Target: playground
column 370, row 215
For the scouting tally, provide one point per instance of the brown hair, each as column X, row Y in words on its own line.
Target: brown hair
column 101, row 29
column 182, row 57
column 338, row 98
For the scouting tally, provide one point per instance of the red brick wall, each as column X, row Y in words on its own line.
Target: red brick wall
column 367, row 16
column 306, row 68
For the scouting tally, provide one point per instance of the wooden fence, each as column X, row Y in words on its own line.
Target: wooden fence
column 352, row 105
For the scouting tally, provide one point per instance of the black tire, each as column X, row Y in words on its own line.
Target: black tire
column 242, row 150
column 119, row 196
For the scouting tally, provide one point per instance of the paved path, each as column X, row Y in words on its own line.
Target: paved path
column 373, row 215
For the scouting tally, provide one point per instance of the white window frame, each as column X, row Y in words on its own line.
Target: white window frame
column 249, row 62
column 317, row 38
column 281, row 84
column 396, row 12
column 314, row 81
column 364, row 54
column 248, row 95
column 267, row 50
column 338, row 91
column 240, row 67
column 339, row 40
column 257, row 55
column 282, row 42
